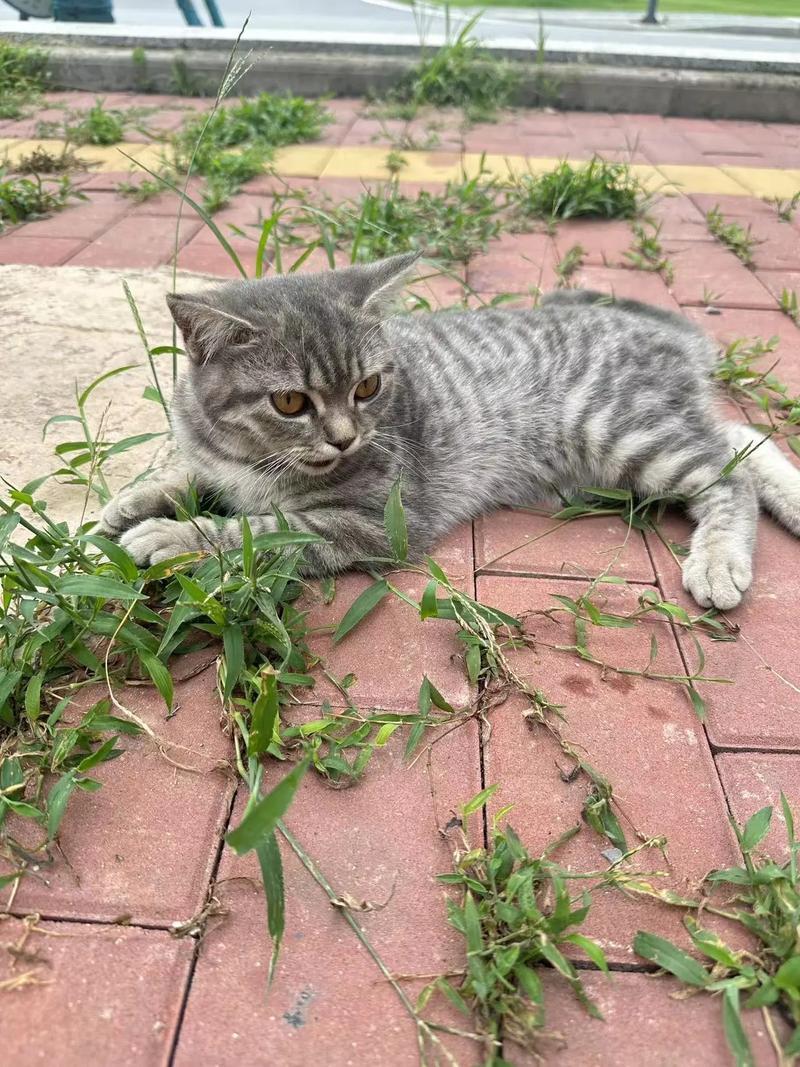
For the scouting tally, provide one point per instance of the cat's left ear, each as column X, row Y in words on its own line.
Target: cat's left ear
column 375, row 285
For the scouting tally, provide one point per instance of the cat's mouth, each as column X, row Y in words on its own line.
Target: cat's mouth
column 321, row 466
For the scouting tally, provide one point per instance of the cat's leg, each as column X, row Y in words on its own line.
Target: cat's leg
column 350, row 536
column 154, row 495
column 718, row 568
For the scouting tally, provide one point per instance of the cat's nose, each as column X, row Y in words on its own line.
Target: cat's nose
column 343, row 443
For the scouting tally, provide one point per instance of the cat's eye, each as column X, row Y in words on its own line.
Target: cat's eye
column 291, row 403
column 369, row 387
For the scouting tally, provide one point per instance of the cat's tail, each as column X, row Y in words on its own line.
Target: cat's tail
column 777, row 480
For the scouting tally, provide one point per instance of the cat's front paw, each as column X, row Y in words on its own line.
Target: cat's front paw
column 715, row 580
column 155, row 540
column 131, row 506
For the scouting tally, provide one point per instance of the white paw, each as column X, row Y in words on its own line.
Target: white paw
column 717, row 581
column 155, row 540
column 132, row 506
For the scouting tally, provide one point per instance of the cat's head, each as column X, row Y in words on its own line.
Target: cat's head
column 295, row 365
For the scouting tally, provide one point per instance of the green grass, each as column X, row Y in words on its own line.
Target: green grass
column 777, row 8
column 734, row 236
column 26, row 198
column 460, row 74
column 232, row 144
column 597, row 189
column 23, row 76
column 763, row 900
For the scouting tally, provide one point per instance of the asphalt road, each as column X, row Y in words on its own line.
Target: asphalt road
column 563, row 29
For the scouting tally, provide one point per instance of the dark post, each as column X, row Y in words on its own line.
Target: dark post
column 650, row 17
column 213, row 13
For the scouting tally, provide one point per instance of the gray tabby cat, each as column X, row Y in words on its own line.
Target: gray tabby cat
column 302, row 391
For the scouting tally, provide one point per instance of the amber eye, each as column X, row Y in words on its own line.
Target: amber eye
column 291, row 403
column 369, row 387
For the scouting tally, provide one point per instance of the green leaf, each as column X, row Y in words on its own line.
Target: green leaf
column 755, row 829
column 248, row 554
column 263, row 716
column 96, row 585
column 698, row 703
column 479, row 800
column 394, row 520
column 712, row 945
column 665, row 954
column 472, row 924
column 84, row 396
column 361, row 607
column 100, row 755
column 57, row 802
column 787, row 976
column 793, row 1045
column 427, row 605
column 734, row 1031
column 116, row 553
column 530, row 982
column 260, row 820
column 33, row 694
column 591, row 948
column 269, row 860
column 233, row 644
column 160, row 676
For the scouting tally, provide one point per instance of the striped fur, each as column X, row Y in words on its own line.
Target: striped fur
column 478, row 410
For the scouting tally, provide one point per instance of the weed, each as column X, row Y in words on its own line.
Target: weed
column 237, row 141
column 184, row 82
column 710, row 297
column 789, row 305
column 596, row 189
column 29, row 198
column 740, row 241
column 515, row 914
column 572, row 261
column 784, row 209
column 646, row 252
column 141, row 74
column 23, row 75
column 395, row 163
column 99, row 126
column 142, row 191
column 459, row 74
column 765, row 904
column 42, row 161
column 547, row 88
column 452, row 225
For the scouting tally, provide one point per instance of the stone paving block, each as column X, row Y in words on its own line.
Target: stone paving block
column 777, row 245
column 515, row 263
column 755, row 780
column 707, row 272
column 131, row 243
column 641, row 734
column 630, row 284
column 678, row 218
column 766, row 181
column 604, row 243
column 17, row 248
column 778, row 280
column 701, row 179
column 83, row 219
column 521, row 542
column 302, row 160
column 209, row 257
column 762, row 708
column 731, row 324
column 409, row 647
column 732, row 206
column 378, row 839
column 662, row 147
column 103, row 995
column 642, row 1024
column 144, row 845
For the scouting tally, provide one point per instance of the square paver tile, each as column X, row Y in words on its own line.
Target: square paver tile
column 755, row 780
column 761, row 709
column 521, row 542
column 378, row 841
column 144, row 845
column 706, row 272
column 640, row 733
column 98, row 994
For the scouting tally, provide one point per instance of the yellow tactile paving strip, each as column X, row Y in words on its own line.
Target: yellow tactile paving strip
column 368, row 162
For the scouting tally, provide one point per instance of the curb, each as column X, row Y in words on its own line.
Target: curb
column 572, row 86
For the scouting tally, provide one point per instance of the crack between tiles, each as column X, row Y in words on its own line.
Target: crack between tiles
column 170, row 1058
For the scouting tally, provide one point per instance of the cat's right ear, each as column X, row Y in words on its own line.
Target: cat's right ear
column 207, row 331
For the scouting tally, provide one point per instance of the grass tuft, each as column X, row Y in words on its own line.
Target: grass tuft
column 23, row 76
column 30, row 198
column 597, row 189
column 740, row 241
